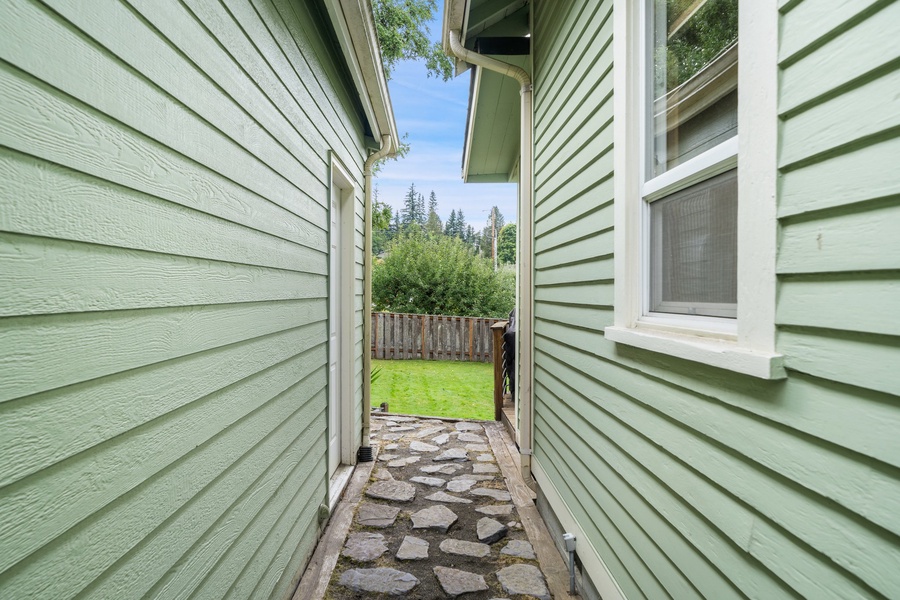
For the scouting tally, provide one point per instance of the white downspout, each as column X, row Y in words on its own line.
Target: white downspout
column 525, row 229
column 365, row 450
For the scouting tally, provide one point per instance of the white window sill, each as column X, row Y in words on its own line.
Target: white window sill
column 725, row 354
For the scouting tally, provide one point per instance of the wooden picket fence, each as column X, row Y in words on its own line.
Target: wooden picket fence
column 431, row 337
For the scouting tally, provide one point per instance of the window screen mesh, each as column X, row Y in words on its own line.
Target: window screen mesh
column 693, row 249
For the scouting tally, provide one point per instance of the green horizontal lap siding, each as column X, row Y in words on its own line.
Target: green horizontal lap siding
column 838, row 261
column 164, row 184
column 695, row 482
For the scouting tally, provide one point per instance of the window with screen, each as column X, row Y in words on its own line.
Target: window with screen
column 696, row 211
column 690, row 174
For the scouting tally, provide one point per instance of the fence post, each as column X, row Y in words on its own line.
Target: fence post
column 497, row 330
column 394, row 337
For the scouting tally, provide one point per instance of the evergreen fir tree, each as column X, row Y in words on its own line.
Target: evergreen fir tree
column 410, row 212
column 432, row 202
column 486, row 237
column 421, row 215
column 396, row 225
column 460, row 229
column 433, row 224
column 450, row 227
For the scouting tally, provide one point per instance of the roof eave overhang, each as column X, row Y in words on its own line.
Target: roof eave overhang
column 491, row 145
column 354, row 24
column 491, row 19
column 459, row 15
column 456, row 13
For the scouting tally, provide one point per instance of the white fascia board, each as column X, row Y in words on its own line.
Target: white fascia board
column 355, row 26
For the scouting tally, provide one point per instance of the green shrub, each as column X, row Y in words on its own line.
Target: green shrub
column 440, row 275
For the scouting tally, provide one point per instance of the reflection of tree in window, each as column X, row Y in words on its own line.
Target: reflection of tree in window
column 698, row 31
column 694, row 104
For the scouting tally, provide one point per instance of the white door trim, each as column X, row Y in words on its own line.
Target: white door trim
column 342, row 181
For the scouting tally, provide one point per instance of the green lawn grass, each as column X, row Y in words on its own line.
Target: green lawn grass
column 435, row 388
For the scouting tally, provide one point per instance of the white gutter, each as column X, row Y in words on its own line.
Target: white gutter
column 365, row 450
column 492, row 64
column 525, row 231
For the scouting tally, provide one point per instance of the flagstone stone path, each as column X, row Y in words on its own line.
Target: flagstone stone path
column 436, row 520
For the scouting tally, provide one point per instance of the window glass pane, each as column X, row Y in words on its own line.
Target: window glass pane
column 693, row 72
column 693, row 249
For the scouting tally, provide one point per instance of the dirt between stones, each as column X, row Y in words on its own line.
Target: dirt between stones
column 463, row 529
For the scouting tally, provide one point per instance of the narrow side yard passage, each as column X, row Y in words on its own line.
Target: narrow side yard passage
column 441, row 513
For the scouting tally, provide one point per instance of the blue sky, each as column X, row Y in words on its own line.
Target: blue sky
column 433, row 114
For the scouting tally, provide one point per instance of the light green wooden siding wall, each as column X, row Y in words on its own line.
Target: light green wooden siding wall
column 695, row 482
column 838, row 201
column 164, row 174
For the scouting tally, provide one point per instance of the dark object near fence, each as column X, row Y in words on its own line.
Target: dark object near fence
column 504, row 365
column 499, row 375
column 509, row 356
column 400, row 336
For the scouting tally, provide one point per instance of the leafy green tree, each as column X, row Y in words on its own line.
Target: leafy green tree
column 506, row 244
column 381, row 223
column 401, row 26
column 481, row 244
column 381, row 212
column 456, row 226
column 437, row 274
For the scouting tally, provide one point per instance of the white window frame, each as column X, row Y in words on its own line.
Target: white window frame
column 745, row 344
